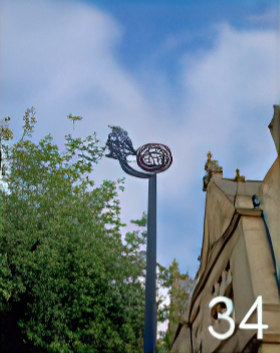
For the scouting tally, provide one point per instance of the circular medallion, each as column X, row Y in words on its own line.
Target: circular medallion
column 154, row 157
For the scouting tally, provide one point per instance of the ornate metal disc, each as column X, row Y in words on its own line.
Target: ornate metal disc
column 154, row 157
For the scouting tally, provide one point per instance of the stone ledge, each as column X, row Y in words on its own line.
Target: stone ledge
column 271, row 337
column 249, row 212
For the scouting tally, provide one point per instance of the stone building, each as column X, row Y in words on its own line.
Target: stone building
column 239, row 260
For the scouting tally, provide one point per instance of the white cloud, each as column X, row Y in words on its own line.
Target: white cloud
column 270, row 17
column 62, row 57
column 229, row 93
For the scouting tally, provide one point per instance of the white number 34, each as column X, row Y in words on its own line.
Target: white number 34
column 243, row 325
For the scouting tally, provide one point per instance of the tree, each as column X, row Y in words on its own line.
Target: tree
column 179, row 286
column 64, row 264
column 69, row 282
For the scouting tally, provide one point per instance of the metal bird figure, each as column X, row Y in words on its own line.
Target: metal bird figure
column 119, row 144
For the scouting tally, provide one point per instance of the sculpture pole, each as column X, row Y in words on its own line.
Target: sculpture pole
column 150, row 328
column 153, row 158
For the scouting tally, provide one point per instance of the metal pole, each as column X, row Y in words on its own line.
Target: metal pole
column 152, row 158
column 150, row 329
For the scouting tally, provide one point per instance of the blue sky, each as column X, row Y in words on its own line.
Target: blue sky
column 195, row 75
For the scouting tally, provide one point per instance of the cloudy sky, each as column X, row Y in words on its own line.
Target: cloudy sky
column 195, row 75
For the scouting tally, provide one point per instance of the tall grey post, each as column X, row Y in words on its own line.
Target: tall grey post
column 153, row 158
column 150, row 328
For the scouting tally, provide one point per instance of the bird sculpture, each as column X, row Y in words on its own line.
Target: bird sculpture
column 119, row 144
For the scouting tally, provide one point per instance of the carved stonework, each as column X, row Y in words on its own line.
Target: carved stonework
column 211, row 166
column 252, row 346
column 274, row 127
column 239, row 260
column 238, row 177
column 224, row 285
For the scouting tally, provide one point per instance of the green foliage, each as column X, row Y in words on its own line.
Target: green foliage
column 74, row 118
column 72, row 280
column 6, row 133
column 62, row 256
column 179, row 288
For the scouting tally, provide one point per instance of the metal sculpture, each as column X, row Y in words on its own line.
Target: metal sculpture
column 153, row 158
column 119, row 143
